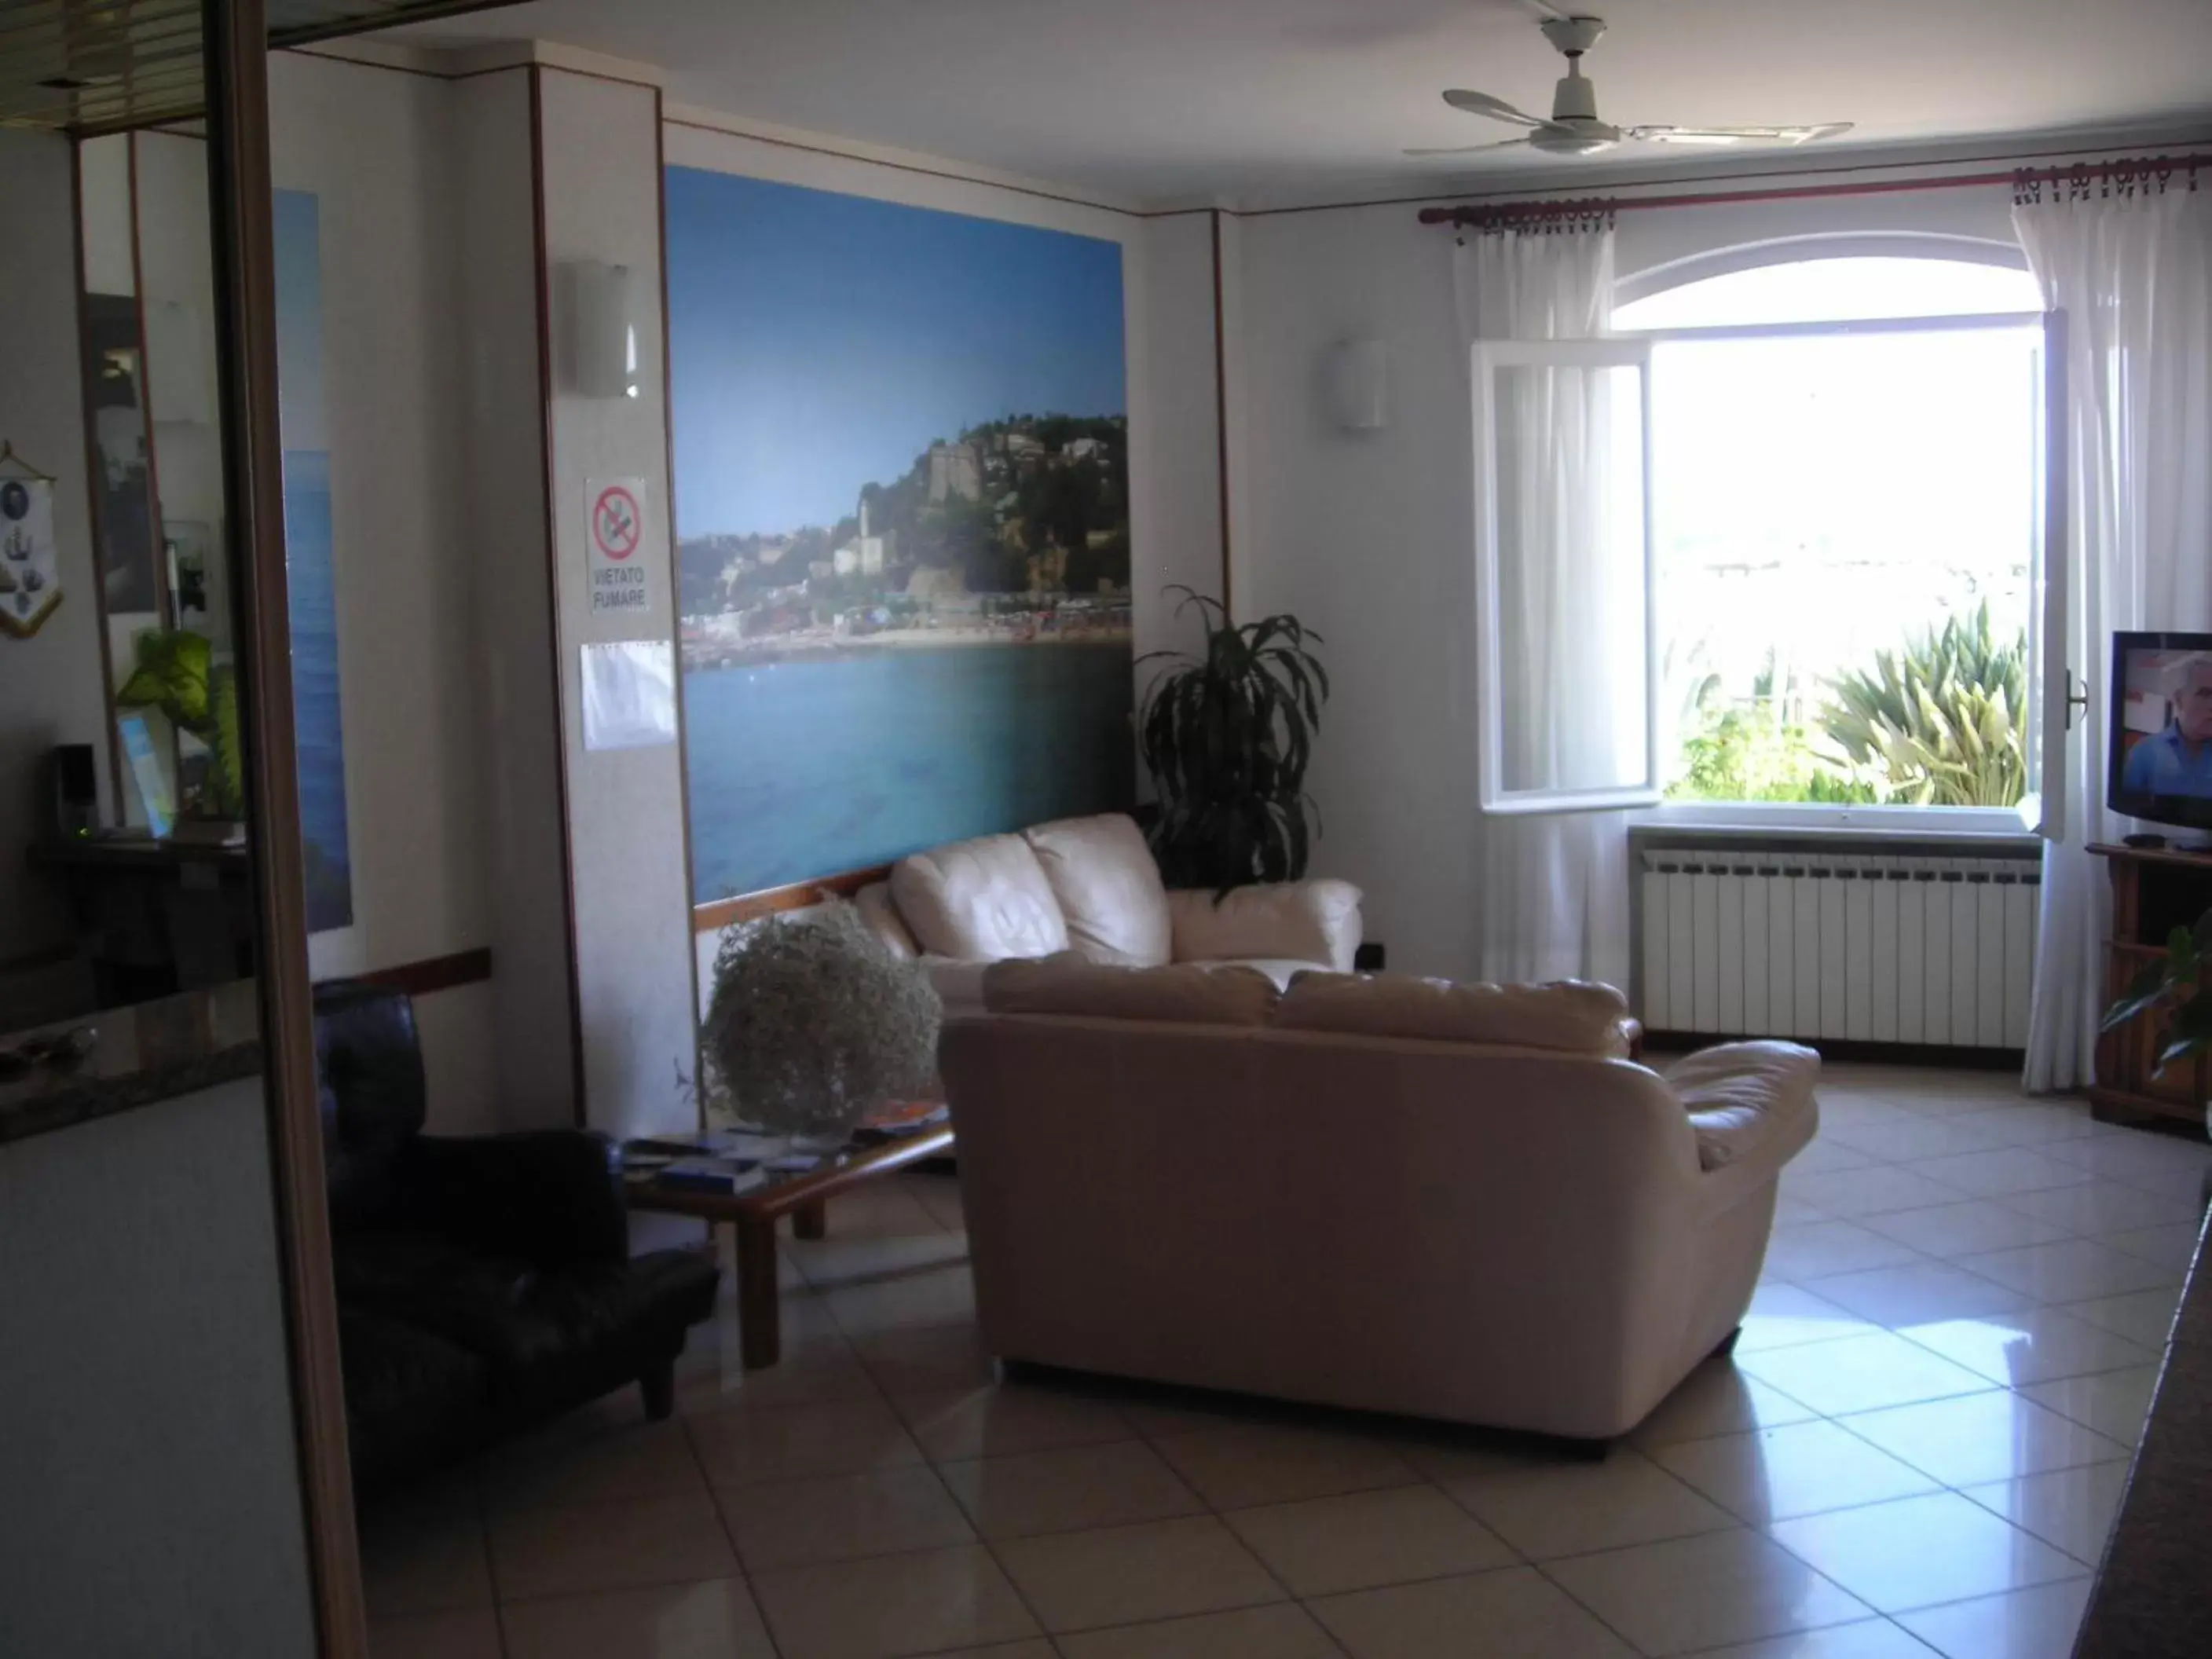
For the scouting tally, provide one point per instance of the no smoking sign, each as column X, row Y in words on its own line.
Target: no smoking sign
column 619, row 582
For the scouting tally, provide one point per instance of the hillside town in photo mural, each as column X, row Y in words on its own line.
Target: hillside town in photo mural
column 902, row 487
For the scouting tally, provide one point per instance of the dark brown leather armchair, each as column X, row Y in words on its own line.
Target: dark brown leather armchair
column 484, row 1282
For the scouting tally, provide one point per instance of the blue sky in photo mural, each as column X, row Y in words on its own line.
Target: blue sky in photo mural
column 317, row 734
column 900, row 443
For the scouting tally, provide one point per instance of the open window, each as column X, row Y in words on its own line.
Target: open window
column 1566, row 604
column 1774, row 553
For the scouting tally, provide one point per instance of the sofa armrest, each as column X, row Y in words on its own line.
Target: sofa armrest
column 1744, row 1097
column 1317, row 922
column 552, row 1196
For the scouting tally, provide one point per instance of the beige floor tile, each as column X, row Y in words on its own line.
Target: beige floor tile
column 2071, row 1270
column 2173, row 1245
column 1718, row 1397
column 2132, row 1157
column 2071, row 1510
column 1916, row 1295
column 1923, row 1138
column 1861, row 1373
column 616, row 1546
column 1126, row 1575
column 1827, row 1154
column 1992, row 1173
column 838, row 1262
column 2113, row 1403
column 1869, row 1639
column 567, row 1465
column 934, row 1296
column 2030, row 1344
column 1823, row 1248
column 413, row 1562
column 789, row 1524
column 1795, row 1211
column 1559, row 1506
column 1242, row 1466
column 1919, row 1552
column 2096, row 1207
column 999, row 1420
column 2144, row 1317
column 1512, row 1611
column 462, row 1633
column 1321, row 1546
column 926, row 1358
column 792, row 1442
column 1956, row 1229
column 1853, row 1193
column 1789, row 1316
column 2024, row 1124
column 1692, row 1593
column 896, row 1604
column 1069, row 1488
column 1272, row 1633
column 2031, row 1624
column 712, row 1620
column 1801, row 1469
column 881, row 1209
column 1979, row 1438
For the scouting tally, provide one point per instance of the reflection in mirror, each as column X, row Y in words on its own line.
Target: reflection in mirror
column 125, row 857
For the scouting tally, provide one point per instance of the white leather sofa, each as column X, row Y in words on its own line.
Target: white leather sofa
column 1090, row 886
column 1461, row 1202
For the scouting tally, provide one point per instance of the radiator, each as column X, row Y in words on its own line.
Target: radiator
column 1925, row 945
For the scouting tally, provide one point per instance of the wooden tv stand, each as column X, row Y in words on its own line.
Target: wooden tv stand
column 2154, row 890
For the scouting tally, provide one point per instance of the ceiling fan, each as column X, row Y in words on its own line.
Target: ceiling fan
column 1574, row 128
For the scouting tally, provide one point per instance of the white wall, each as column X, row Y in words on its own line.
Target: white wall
column 146, row 1449
column 599, row 148
column 1369, row 537
column 50, row 684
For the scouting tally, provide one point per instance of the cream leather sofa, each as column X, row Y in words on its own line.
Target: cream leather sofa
column 1461, row 1202
column 1090, row 885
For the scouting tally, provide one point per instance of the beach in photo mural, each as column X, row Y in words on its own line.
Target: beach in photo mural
column 901, row 511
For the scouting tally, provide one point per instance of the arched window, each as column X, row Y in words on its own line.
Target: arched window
column 1845, row 442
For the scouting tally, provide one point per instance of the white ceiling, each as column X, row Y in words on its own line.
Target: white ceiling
column 1171, row 100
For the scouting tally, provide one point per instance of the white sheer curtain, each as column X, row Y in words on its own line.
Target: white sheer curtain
column 1555, row 888
column 2133, row 273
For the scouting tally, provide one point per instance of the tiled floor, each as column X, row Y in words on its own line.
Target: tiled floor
column 1918, row 1449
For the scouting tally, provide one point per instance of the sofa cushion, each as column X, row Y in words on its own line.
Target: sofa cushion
column 1565, row 1016
column 1738, row 1093
column 1316, row 922
column 984, row 899
column 1110, row 891
column 1182, row 995
column 874, row 903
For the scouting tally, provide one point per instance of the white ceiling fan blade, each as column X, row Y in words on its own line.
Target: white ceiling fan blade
column 1467, row 149
column 1716, row 135
column 1481, row 103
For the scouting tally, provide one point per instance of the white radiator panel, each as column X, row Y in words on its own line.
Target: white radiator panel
column 1930, row 948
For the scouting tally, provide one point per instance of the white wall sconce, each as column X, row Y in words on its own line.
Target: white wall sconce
column 603, row 330
column 1357, row 378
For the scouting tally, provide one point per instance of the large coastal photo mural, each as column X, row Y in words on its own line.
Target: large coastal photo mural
column 317, row 735
column 901, row 442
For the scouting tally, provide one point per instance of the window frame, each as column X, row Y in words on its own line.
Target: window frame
column 1485, row 357
column 1889, row 819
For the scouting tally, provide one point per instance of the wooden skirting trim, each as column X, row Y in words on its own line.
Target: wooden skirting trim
column 773, row 900
column 1850, row 1051
column 432, row 974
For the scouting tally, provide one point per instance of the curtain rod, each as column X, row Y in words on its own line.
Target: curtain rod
column 2078, row 177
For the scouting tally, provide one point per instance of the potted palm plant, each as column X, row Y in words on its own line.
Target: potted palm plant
column 174, row 672
column 2177, row 990
column 1226, row 735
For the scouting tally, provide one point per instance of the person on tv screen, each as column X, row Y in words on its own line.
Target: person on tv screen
column 2179, row 760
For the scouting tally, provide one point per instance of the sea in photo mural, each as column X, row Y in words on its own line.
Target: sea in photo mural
column 901, row 442
column 317, row 734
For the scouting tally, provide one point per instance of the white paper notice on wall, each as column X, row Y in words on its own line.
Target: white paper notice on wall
column 614, row 559
column 629, row 694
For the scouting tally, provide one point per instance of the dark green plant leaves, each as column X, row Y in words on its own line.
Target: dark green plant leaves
column 1227, row 736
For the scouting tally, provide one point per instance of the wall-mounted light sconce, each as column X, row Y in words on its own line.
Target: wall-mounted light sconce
column 603, row 324
column 1358, row 385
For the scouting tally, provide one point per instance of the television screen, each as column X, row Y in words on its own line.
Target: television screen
column 2161, row 747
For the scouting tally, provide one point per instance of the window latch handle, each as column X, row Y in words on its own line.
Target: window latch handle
column 2072, row 701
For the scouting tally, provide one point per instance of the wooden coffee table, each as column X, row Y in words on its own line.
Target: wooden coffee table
column 804, row 1197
